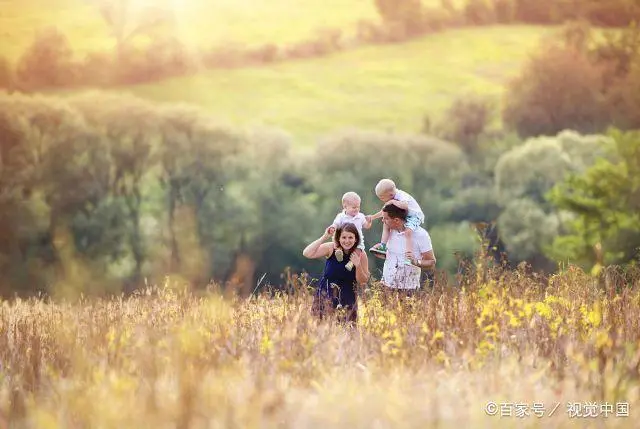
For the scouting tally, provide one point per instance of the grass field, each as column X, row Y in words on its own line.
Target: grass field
column 387, row 87
column 171, row 359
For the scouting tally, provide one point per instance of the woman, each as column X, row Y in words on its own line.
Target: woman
column 338, row 282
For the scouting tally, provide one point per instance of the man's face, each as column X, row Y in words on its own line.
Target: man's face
column 392, row 223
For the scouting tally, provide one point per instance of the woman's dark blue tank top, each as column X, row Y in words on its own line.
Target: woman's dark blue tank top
column 336, row 272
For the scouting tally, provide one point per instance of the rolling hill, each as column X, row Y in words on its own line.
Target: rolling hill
column 384, row 87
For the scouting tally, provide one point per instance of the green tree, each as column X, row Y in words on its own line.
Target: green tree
column 524, row 175
column 605, row 201
column 45, row 184
column 198, row 159
column 129, row 128
column 265, row 214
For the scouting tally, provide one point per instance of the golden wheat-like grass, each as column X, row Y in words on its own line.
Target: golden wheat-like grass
column 170, row 358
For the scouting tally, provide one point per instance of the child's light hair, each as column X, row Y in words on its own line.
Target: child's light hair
column 351, row 196
column 385, row 186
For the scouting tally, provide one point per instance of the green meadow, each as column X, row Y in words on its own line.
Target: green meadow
column 383, row 87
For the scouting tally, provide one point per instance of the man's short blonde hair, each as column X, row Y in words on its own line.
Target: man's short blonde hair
column 351, row 196
column 385, row 186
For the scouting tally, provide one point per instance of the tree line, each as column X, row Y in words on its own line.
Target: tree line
column 102, row 191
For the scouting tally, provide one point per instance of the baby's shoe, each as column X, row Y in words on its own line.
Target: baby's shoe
column 339, row 254
column 381, row 250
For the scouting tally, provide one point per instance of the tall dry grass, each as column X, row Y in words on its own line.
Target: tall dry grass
column 171, row 358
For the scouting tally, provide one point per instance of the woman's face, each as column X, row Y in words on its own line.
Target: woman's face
column 347, row 240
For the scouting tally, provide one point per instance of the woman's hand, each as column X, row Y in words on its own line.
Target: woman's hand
column 355, row 260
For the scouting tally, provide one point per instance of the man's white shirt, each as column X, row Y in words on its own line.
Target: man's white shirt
column 395, row 273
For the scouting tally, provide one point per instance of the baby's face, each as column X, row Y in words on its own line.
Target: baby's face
column 387, row 196
column 351, row 208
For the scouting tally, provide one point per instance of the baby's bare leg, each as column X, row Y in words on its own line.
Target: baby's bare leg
column 408, row 234
column 385, row 234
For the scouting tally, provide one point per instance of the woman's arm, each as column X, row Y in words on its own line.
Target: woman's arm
column 317, row 248
column 362, row 267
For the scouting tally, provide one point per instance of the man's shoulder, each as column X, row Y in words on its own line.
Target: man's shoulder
column 421, row 231
column 422, row 237
column 421, row 234
column 418, row 232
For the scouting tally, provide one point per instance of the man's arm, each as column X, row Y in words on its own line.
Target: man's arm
column 427, row 260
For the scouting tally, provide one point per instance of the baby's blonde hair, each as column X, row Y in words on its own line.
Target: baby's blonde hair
column 351, row 196
column 385, row 186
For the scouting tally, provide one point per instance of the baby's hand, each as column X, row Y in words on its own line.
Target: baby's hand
column 330, row 230
column 368, row 218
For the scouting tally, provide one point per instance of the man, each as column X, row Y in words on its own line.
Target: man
column 396, row 274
